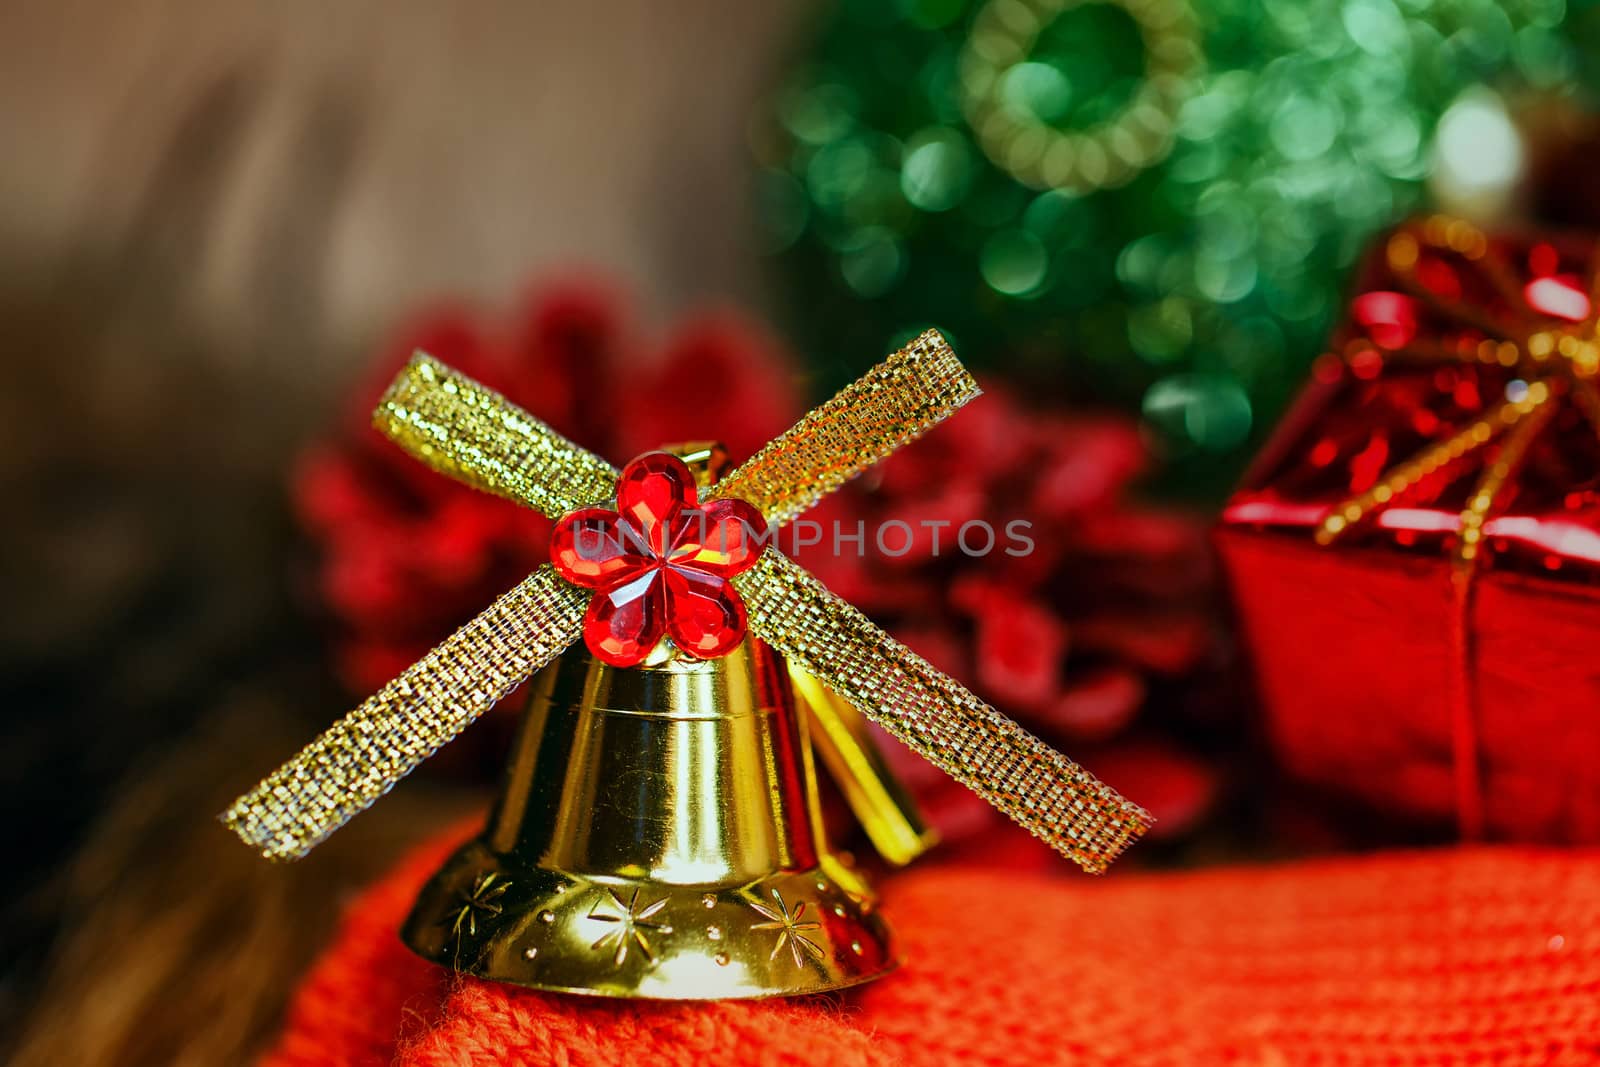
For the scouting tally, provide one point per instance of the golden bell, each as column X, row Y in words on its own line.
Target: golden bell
column 657, row 835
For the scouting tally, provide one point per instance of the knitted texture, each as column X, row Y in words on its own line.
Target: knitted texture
column 1484, row 955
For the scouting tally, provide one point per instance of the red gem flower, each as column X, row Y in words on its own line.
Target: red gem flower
column 659, row 564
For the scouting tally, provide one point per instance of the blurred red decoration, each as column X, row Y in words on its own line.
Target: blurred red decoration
column 1435, row 672
column 1558, row 297
column 1390, row 318
column 406, row 555
column 1012, row 552
column 1100, row 603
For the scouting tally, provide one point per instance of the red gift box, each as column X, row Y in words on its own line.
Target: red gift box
column 1415, row 556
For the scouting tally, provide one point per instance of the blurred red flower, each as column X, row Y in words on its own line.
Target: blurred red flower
column 406, row 555
column 1080, row 621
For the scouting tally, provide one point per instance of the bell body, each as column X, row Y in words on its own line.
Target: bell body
column 657, row 835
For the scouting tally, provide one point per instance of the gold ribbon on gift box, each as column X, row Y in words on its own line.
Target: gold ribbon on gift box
column 836, row 654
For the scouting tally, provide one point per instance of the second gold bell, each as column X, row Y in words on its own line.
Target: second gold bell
column 657, row 835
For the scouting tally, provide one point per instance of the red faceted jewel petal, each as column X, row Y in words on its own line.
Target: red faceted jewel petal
column 590, row 547
column 626, row 621
column 653, row 489
column 705, row 617
column 724, row 538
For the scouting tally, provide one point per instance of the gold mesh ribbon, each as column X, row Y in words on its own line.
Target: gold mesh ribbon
column 463, row 429
column 893, row 403
column 1040, row 789
column 361, row 756
column 474, row 434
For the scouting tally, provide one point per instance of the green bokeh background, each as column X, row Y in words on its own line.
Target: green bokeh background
column 1196, row 294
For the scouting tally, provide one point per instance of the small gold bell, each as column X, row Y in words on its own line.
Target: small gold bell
column 657, row 836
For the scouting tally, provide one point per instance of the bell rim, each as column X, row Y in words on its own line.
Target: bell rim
column 590, row 993
column 790, row 933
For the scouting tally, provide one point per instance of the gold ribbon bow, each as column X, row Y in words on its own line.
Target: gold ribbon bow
column 463, row 429
column 1555, row 361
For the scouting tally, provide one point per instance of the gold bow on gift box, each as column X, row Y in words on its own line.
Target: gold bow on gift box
column 658, row 831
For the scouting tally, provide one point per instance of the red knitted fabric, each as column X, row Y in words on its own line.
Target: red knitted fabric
column 1485, row 955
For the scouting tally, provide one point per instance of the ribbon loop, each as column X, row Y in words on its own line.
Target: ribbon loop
column 360, row 757
column 472, row 433
column 1035, row 786
column 892, row 404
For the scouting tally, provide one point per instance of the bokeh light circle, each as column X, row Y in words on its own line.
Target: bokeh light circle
column 1008, row 97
